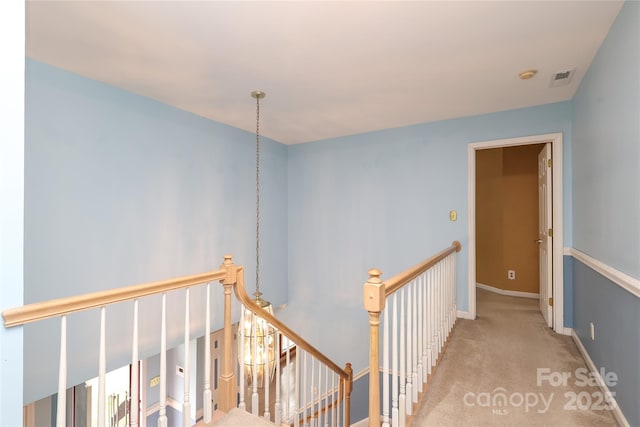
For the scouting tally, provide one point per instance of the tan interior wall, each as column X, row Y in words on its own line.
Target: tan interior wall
column 507, row 217
column 489, row 221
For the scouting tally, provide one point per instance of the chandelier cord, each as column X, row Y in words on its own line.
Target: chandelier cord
column 257, row 196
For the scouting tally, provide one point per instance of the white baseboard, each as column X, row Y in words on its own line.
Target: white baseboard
column 567, row 331
column 464, row 315
column 617, row 412
column 508, row 293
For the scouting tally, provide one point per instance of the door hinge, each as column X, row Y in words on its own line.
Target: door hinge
column 550, row 162
column 551, row 301
column 550, row 232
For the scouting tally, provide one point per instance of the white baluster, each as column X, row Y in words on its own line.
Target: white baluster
column 443, row 303
column 414, row 342
column 266, row 371
column 134, row 410
column 186, row 404
column 447, row 299
column 452, row 289
column 419, row 352
column 344, row 406
column 447, row 314
column 394, row 364
column 207, row 409
column 337, row 400
column 409, row 354
column 319, row 392
column 425, row 333
column 102, row 371
column 451, row 293
column 455, row 288
column 61, row 415
column 326, row 402
column 320, row 412
column 296, row 394
column 334, row 400
column 385, row 367
column 277, row 407
column 311, row 392
column 434, row 306
column 287, row 403
column 442, row 306
column 435, row 314
column 162, row 415
column 242, row 405
column 454, row 305
column 304, row 391
column 438, row 309
column 429, row 320
column 254, row 370
column 402, row 403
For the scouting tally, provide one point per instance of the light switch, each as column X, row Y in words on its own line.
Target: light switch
column 453, row 215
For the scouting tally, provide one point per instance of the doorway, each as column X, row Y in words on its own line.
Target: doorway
column 555, row 140
column 507, row 258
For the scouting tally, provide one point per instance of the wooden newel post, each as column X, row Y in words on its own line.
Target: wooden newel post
column 374, row 298
column 228, row 384
column 347, row 398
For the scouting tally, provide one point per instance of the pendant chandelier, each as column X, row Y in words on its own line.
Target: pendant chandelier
column 256, row 335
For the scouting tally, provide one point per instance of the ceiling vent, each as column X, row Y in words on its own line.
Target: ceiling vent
column 562, row 78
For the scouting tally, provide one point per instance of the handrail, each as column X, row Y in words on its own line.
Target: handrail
column 61, row 306
column 417, row 353
column 399, row 280
column 229, row 275
column 250, row 305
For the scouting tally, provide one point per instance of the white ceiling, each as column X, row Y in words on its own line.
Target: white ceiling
column 329, row 68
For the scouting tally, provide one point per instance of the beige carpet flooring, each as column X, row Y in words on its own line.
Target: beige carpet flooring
column 499, row 354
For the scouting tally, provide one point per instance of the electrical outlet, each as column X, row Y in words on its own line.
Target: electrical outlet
column 154, row 381
column 511, row 274
column 179, row 371
column 593, row 331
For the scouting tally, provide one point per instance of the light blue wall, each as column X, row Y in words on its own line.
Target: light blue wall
column 606, row 191
column 12, row 38
column 382, row 199
column 121, row 189
column 606, row 149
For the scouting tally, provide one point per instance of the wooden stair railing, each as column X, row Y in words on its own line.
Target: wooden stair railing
column 230, row 276
column 314, row 405
column 426, row 294
column 62, row 307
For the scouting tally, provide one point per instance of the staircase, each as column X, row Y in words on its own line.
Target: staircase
column 416, row 309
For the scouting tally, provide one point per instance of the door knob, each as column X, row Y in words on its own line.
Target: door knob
column 538, row 241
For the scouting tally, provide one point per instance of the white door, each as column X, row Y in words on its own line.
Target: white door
column 545, row 235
